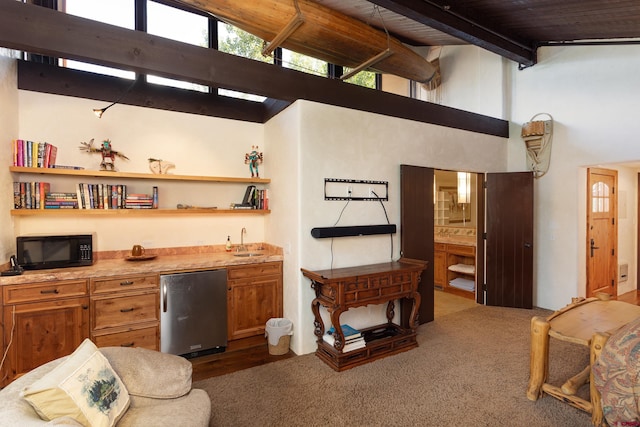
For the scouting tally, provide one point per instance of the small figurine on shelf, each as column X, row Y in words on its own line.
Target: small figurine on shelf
column 253, row 159
column 159, row 166
column 108, row 155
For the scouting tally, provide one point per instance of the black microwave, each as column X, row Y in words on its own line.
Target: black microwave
column 39, row 252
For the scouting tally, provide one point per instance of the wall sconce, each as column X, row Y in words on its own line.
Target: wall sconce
column 464, row 187
column 464, row 192
column 100, row 111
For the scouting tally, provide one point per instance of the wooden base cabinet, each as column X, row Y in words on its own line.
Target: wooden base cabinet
column 125, row 311
column 440, row 265
column 42, row 322
column 254, row 295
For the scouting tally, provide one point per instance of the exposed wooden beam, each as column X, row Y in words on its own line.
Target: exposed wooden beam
column 65, row 81
column 40, row 30
column 442, row 18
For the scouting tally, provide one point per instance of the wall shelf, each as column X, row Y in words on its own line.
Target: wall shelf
column 131, row 213
column 134, row 175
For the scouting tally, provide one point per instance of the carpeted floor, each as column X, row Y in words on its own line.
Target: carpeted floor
column 471, row 369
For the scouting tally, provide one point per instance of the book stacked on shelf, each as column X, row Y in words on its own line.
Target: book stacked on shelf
column 61, row 201
column 139, row 201
column 353, row 338
column 34, row 154
column 30, row 195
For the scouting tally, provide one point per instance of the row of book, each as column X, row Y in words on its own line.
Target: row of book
column 34, row 154
column 37, row 195
column 113, row 196
column 353, row 339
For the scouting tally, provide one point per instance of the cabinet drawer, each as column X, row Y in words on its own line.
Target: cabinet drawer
column 15, row 294
column 461, row 250
column 254, row 270
column 146, row 337
column 123, row 283
column 440, row 247
column 124, row 310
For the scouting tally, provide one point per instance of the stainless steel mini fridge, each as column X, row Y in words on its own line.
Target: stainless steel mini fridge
column 193, row 312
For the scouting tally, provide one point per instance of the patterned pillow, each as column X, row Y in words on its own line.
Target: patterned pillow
column 616, row 375
column 83, row 387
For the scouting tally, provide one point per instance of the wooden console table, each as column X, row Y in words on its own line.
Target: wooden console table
column 340, row 289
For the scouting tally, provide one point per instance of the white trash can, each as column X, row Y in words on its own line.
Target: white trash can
column 279, row 331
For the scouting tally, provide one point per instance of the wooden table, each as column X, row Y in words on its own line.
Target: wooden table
column 587, row 322
column 338, row 290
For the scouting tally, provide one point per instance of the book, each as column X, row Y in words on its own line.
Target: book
column 347, row 330
column 80, row 195
column 16, row 195
column 28, row 154
column 349, row 345
column 67, row 167
column 41, row 149
column 52, row 156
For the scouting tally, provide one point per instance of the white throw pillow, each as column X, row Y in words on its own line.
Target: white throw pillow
column 84, row 387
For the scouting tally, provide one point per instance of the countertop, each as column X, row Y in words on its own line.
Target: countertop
column 168, row 260
column 456, row 240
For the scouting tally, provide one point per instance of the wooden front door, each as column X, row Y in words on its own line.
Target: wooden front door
column 416, row 230
column 602, row 231
column 509, row 242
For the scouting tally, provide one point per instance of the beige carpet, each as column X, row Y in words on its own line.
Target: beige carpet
column 471, row 369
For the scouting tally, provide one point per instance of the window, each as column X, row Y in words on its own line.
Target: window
column 600, row 197
column 235, row 41
column 304, row 63
column 114, row 12
column 185, row 27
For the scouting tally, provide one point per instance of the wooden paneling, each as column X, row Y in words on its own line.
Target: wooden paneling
column 416, row 232
column 509, row 254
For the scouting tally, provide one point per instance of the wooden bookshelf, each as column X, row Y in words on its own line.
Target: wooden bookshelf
column 131, row 213
column 134, row 175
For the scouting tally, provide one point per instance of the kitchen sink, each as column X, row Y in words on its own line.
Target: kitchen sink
column 247, row 254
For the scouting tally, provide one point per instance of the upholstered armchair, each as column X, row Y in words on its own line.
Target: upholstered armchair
column 157, row 388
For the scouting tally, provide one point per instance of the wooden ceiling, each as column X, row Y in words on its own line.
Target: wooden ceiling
column 513, row 29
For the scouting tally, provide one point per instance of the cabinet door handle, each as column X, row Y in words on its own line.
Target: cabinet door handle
column 49, row 291
column 126, row 310
column 128, row 344
column 126, row 283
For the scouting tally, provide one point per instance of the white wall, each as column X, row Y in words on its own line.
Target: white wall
column 198, row 145
column 341, row 143
column 8, row 132
column 592, row 93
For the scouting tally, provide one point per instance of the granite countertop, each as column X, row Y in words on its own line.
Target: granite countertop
column 167, row 260
column 456, row 240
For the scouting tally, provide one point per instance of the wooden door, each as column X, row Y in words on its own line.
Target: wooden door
column 509, row 242
column 416, row 230
column 602, row 231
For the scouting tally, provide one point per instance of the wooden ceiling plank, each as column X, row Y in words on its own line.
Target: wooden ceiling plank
column 437, row 17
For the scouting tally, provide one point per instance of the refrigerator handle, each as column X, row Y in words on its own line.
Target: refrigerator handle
column 164, row 297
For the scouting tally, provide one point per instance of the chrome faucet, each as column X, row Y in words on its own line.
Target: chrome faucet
column 242, row 247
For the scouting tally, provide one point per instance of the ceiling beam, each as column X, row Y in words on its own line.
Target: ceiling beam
column 39, row 30
column 443, row 19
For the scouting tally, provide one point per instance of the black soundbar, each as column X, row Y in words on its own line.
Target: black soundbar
column 354, row 230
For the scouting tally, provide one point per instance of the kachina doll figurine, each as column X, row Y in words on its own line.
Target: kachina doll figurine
column 253, row 159
column 108, row 155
